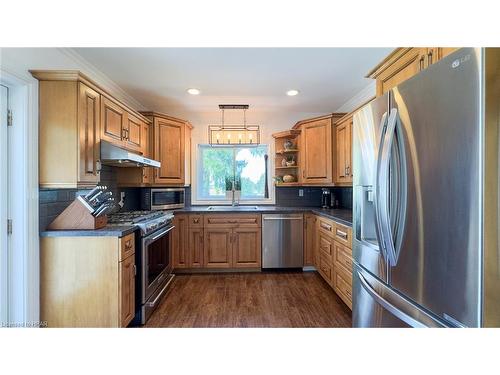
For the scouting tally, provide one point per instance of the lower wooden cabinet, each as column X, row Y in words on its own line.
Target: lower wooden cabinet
column 217, row 241
column 247, row 249
column 218, row 248
column 309, row 240
column 87, row 281
column 333, row 249
column 195, row 251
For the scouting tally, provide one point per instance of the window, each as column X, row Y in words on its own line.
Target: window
column 221, row 167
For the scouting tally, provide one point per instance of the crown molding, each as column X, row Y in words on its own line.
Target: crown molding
column 360, row 98
column 103, row 80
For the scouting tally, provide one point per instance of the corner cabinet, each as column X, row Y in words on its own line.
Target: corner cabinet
column 75, row 114
column 404, row 63
column 316, row 148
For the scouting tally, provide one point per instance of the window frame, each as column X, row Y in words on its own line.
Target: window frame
column 196, row 199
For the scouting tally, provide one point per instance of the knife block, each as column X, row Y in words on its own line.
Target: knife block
column 77, row 216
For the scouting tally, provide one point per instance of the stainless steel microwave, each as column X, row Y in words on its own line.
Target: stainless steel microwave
column 162, row 198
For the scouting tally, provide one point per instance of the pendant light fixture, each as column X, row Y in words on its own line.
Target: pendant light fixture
column 231, row 135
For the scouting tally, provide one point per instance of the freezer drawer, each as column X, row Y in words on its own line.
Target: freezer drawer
column 376, row 305
column 282, row 241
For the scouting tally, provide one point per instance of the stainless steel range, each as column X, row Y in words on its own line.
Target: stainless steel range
column 153, row 257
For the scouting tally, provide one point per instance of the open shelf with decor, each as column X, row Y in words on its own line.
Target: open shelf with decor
column 286, row 162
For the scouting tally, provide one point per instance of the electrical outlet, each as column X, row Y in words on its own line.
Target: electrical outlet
column 301, row 192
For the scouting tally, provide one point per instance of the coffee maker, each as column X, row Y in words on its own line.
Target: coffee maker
column 325, row 198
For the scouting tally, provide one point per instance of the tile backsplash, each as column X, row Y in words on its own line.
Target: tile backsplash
column 289, row 196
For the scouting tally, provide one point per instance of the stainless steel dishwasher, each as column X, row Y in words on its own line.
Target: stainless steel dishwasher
column 282, row 244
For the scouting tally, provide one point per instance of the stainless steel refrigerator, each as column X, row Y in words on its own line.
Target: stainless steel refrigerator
column 426, row 196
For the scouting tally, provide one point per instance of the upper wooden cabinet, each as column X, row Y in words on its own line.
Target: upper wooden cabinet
column 316, row 140
column 172, row 148
column 404, row 63
column 343, row 151
column 74, row 115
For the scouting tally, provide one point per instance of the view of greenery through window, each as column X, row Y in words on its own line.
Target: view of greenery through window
column 220, row 166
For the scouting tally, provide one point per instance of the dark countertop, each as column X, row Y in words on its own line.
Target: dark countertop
column 108, row 231
column 341, row 216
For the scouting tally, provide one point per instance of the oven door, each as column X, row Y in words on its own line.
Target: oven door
column 156, row 261
column 166, row 199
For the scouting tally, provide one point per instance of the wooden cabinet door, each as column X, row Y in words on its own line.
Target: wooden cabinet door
column 411, row 63
column 89, row 106
column 179, row 238
column 169, row 150
column 246, row 248
column 112, row 122
column 445, row 51
column 133, row 133
column 309, row 239
column 348, row 151
column 196, row 248
column 218, row 248
column 341, row 136
column 317, row 157
column 127, row 290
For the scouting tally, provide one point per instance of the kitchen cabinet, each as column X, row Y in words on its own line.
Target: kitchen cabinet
column 179, row 242
column 316, row 149
column 196, row 250
column 404, row 63
column 334, row 249
column 172, row 148
column 309, row 240
column 343, row 152
column 89, row 134
column 74, row 115
column 218, row 248
column 247, row 248
column 87, row 281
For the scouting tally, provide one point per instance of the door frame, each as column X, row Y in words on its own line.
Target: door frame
column 23, row 244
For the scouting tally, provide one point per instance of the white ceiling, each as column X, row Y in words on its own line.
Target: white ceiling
column 158, row 77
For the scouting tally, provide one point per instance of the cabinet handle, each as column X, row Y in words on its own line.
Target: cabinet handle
column 341, row 234
column 348, row 170
column 326, row 226
column 196, row 221
column 97, row 167
column 303, row 173
column 421, row 63
column 128, row 245
column 429, row 58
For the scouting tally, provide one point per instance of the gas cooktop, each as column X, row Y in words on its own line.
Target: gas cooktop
column 147, row 221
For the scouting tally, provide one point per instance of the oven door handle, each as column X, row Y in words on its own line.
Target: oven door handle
column 148, row 240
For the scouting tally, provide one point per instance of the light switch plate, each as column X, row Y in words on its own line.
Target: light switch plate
column 301, row 192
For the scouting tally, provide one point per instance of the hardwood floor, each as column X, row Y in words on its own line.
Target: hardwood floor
column 300, row 299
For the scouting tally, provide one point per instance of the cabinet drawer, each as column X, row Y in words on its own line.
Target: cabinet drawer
column 196, row 221
column 343, row 234
column 250, row 221
column 342, row 283
column 326, row 247
column 342, row 257
column 326, row 226
column 325, row 269
column 127, row 246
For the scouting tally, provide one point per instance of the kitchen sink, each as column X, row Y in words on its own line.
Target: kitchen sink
column 232, row 208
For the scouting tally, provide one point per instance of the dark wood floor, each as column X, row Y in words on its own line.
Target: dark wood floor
column 299, row 299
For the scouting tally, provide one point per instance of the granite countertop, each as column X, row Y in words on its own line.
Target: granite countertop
column 341, row 216
column 107, row 231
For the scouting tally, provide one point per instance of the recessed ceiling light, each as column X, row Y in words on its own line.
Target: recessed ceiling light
column 292, row 92
column 193, row 91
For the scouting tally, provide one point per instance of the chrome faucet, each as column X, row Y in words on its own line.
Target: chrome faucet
column 234, row 201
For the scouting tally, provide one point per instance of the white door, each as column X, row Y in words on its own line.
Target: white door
column 3, row 205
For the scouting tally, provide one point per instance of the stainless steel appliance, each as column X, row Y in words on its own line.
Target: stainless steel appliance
column 119, row 157
column 153, row 257
column 162, row 198
column 426, row 188
column 282, row 244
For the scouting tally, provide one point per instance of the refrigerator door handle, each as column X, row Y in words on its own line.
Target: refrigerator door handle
column 382, row 191
column 376, row 207
column 427, row 321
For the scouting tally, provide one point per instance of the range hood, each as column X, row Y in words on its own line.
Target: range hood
column 119, row 157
